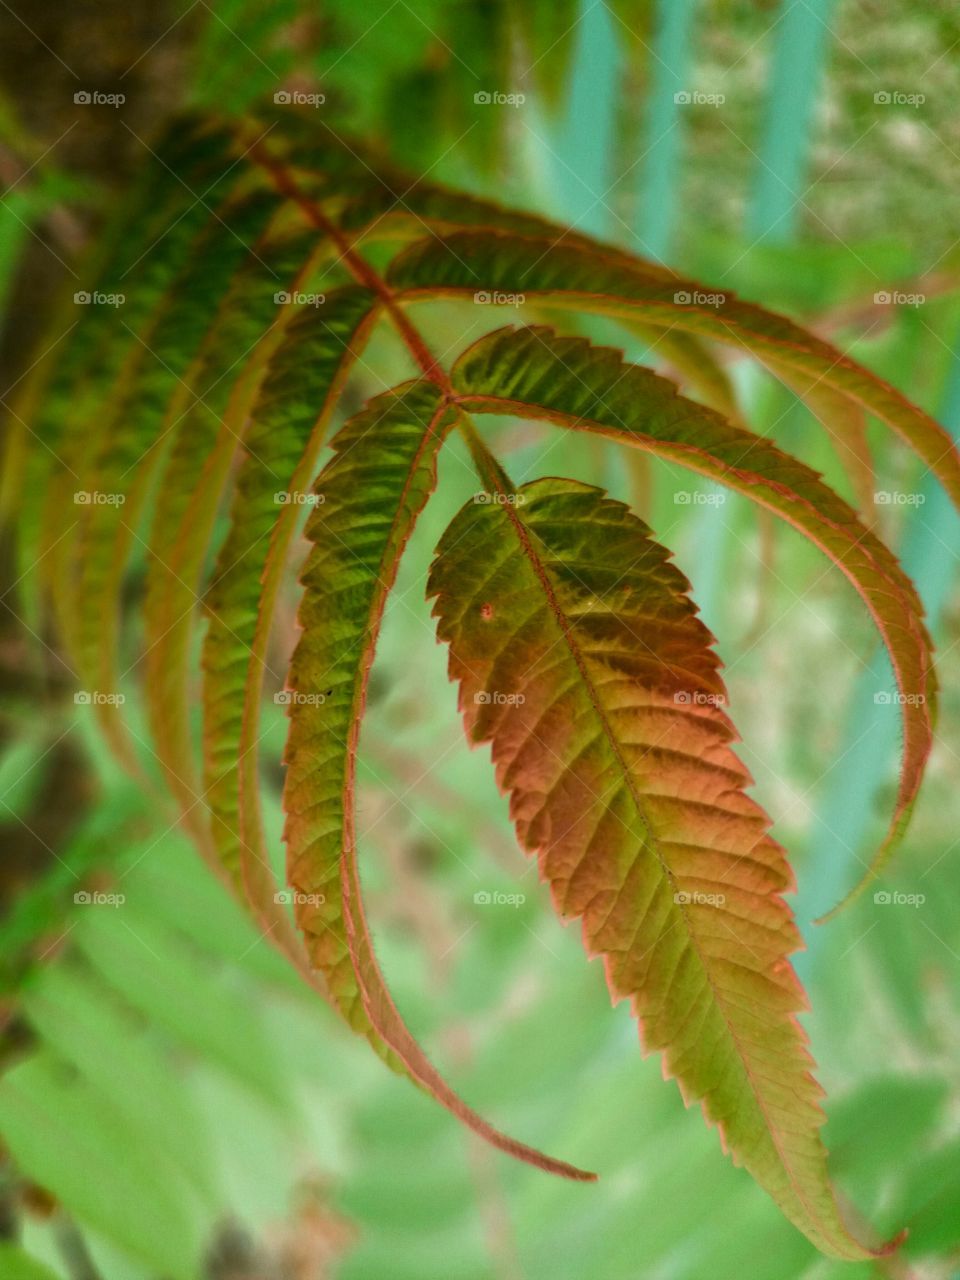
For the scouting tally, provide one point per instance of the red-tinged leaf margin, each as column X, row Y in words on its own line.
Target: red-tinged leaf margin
column 821, row 515
column 811, row 1205
column 423, row 403
column 574, row 277
column 255, row 869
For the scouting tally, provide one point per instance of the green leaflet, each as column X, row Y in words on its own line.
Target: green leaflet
column 139, row 227
column 206, row 437
column 134, row 444
column 570, row 276
column 581, row 660
column 368, row 499
column 534, row 373
column 82, row 335
column 368, row 496
column 282, row 446
column 86, row 372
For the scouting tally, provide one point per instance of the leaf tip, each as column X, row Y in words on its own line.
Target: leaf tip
column 892, row 1245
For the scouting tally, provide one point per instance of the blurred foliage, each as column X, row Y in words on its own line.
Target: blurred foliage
column 173, row 1102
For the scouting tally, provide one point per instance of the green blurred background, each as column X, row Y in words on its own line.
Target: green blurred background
column 173, row 1102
